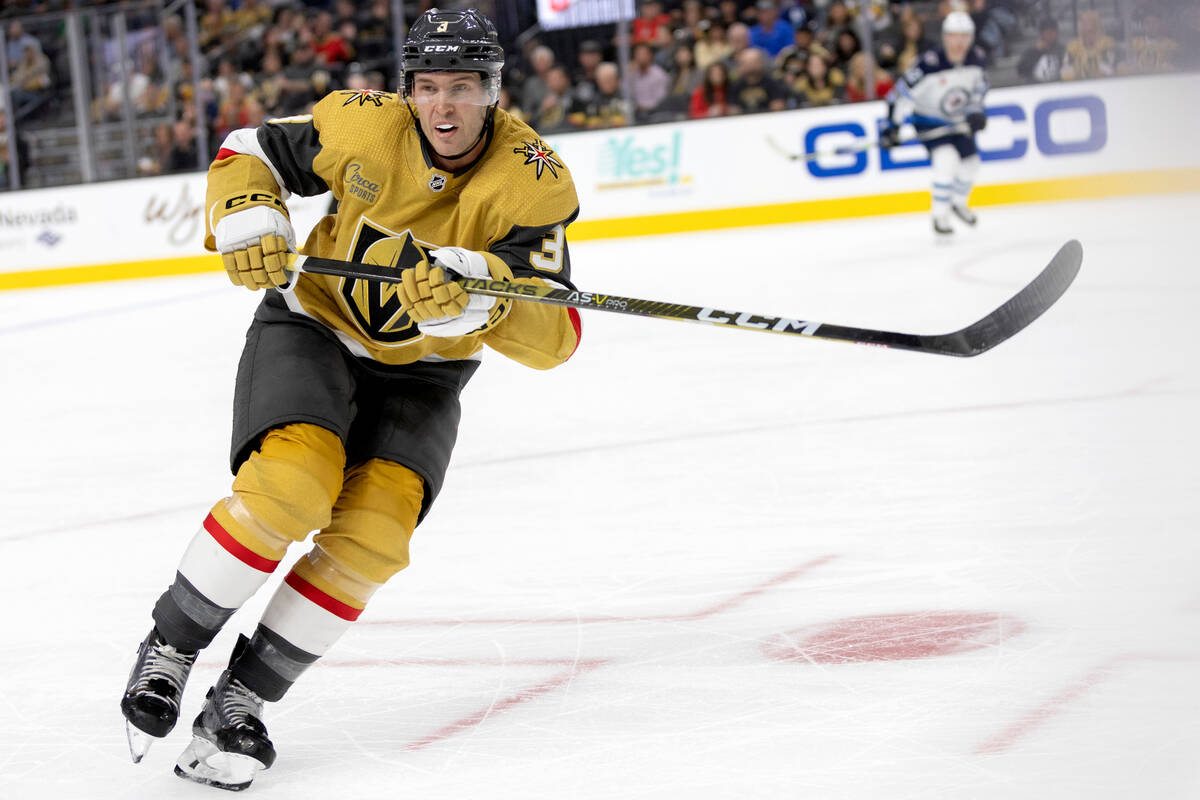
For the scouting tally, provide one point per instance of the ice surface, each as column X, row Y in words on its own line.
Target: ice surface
column 691, row 563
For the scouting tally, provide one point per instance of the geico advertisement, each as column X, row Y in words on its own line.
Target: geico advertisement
column 1033, row 133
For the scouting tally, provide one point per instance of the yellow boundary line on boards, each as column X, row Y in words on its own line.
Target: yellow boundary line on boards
column 1053, row 190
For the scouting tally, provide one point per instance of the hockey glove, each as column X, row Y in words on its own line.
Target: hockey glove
column 257, row 246
column 895, row 136
column 441, row 307
column 977, row 120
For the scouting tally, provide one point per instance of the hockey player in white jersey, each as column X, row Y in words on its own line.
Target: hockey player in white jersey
column 944, row 88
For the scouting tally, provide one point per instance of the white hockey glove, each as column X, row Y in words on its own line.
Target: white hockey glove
column 257, row 246
column 441, row 307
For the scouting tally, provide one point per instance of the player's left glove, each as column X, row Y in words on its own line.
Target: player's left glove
column 441, row 307
column 977, row 120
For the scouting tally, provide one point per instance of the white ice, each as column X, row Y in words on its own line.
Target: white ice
column 635, row 581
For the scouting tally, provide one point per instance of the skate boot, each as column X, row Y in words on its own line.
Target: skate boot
column 965, row 214
column 942, row 227
column 229, row 745
column 152, row 695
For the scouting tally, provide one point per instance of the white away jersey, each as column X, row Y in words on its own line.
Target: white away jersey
column 935, row 92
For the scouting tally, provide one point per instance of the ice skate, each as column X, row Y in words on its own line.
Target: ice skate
column 229, row 745
column 152, row 695
column 965, row 214
column 942, row 227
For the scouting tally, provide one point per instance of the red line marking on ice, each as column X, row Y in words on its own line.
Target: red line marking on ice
column 1039, row 714
column 520, row 696
column 724, row 605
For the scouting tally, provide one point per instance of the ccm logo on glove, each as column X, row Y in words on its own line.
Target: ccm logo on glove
column 255, row 197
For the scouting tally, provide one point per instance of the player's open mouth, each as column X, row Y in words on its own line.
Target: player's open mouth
column 446, row 129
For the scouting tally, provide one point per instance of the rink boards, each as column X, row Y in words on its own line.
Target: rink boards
column 1042, row 143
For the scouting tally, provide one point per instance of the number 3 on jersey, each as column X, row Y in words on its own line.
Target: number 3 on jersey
column 550, row 257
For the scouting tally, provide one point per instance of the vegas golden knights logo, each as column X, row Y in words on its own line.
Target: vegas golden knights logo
column 375, row 305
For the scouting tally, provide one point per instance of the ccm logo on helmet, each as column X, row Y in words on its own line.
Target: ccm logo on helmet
column 440, row 48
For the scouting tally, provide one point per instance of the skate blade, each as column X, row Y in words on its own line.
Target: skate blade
column 203, row 763
column 139, row 742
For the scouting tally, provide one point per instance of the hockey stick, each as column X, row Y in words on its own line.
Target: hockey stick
column 979, row 337
column 851, row 149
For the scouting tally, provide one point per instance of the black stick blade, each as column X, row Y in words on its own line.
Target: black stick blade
column 1015, row 315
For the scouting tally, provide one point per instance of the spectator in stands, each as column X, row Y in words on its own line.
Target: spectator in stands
column 739, row 40
column 552, row 114
column 819, row 85
column 299, row 83
column 251, row 17
column 846, row 46
column 856, row 80
column 754, row 90
column 711, row 44
column 1153, row 51
column 585, row 78
column 1043, row 61
column 901, row 45
column 536, row 87
column 803, row 42
column 30, row 80
column 183, row 155
column 710, row 99
column 648, row 82
column 216, row 21
column 993, row 23
column 506, row 103
column 771, row 33
column 374, row 42
column 18, row 40
column 607, row 109
column 837, row 20
column 650, row 19
column 729, row 13
column 332, row 47
column 1093, row 54
column 685, row 75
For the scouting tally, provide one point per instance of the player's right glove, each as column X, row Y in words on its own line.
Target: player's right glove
column 977, row 120
column 441, row 307
column 257, row 245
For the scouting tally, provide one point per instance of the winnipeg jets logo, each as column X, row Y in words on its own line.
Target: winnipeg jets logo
column 364, row 96
column 540, row 155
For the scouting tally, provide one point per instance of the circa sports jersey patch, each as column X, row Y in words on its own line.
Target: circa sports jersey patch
column 364, row 96
column 359, row 185
column 540, row 155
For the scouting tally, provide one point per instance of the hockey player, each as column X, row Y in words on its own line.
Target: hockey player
column 945, row 87
column 346, row 404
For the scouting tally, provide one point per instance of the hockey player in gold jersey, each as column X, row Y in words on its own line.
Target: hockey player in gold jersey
column 346, row 403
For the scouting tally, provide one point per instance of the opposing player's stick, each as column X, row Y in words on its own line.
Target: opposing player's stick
column 850, row 149
column 978, row 337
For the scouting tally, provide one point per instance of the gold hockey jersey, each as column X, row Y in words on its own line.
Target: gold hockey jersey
column 513, row 205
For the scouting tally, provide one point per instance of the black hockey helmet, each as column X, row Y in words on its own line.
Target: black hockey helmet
column 453, row 41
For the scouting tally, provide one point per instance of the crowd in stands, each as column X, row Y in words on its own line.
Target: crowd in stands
column 688, row 59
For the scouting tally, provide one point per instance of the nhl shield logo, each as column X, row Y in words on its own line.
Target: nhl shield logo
column 437, row 182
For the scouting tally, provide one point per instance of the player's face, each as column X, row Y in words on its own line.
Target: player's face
column 452, row 107
column 957, row 45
